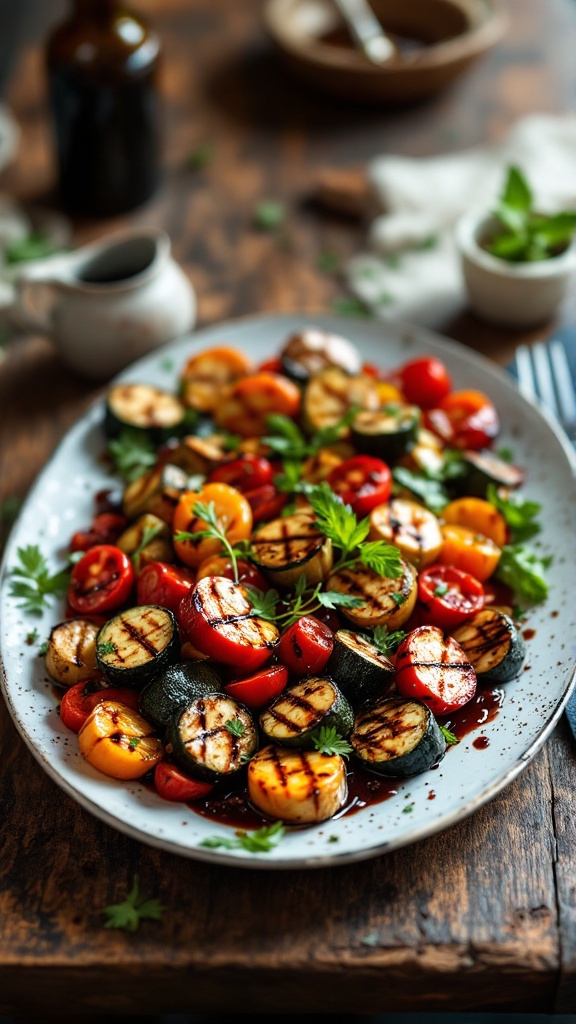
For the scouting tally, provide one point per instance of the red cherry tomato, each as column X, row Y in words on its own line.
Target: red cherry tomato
column 273, row 365
column 448, row 596
column 160, row 583
column 435, row 670
column 472, row 418
column 172, row 784
column 245, row 474
column 362, row 482
column 101, row 580
column 82, row 698
column 306, row 646
column 425, row 381
column 216, row 618
column 266, row 503
column 257, row 690
column 105, row 528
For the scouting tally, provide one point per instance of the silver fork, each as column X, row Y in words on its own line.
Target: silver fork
column 544, row 374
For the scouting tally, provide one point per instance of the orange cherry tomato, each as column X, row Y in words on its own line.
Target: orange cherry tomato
column 232, row 511
column 469, row 551
column 478, row 515
column 251, row 400
column 207, row 374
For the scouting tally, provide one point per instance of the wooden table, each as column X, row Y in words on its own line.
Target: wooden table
column 480, row 917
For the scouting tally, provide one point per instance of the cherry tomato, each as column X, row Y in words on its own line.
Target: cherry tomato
column 245, row 474
column 469, row 551
column 217, row 620
column 472, row 418
column 160, row 583
column 233, row 513
column 266, row 503
column 257, row 690
column 448, row 595
column 273, row 365
column 172, row 784
column 306, row 646
column 80, row 699
column 101, row 580
column 220, row 565
column 425, row 381
column 435, row 670
column 105, row 528
column 362, row 482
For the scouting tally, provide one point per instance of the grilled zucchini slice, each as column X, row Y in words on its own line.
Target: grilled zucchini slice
column 288, row 547
column 157, row 491
column 397, row 736
column 213, row 737
column 148, row 539
column 484, row 468
column 146, row 409
column 310, row 351
column 492, row 644
column 388, row 433
column 71, row 652
column 302, row 787
column 330, row 394
column 171, row 691
column 385, row 602
column 358, row 667
column 293, row 717
column 137, row 644
column 412, row 528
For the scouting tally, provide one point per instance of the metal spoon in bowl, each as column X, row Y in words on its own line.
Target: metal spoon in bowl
column 366, row 30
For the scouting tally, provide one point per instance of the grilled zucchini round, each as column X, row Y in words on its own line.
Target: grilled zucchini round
column 137, row 645
column 292, row 719
column 359, row 667
column 292, row 546
column 213, row 737
column 167, row 693
column 145, row 409
column 387, row 433
column 492, row 644
column 397, row 736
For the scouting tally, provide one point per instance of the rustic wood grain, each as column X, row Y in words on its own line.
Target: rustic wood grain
column 480, row 917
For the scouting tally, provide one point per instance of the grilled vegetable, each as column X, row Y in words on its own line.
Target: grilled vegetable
column 306, row 646
column 387, row 433
column 173, row 689
column 157, row 492
column 358, row 667
column 71, row 652
column 411, row 527
column 144, row 408
column 305, row 706
column 311, row 350
column 478, row 515
column 232, row 513
column 493, row 645
column 298, row 786
column 469, row 551
column 330, row 394
column 101, row 580
column 245, row 408
column 397, row 736
column 198, row 456
column 386, row 602
column 206, row 376
column 286, row 548
column 483, row 468
column 117, row 741
column 146, row 540
column 434, row 669
column 217, row 619
column 137, row 644
column 212, row 737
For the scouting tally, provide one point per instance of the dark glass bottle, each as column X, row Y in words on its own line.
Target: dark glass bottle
column 102, row 71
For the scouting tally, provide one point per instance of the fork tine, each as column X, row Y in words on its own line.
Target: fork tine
column 525, row 372
column 543, row 375
column 563, row 381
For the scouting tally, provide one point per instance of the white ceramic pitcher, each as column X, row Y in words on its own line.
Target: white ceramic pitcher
column 108, row 303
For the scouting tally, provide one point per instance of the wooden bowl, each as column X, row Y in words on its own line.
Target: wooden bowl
column 436, row 41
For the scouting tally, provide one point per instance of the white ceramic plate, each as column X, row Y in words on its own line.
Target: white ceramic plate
column 61, row 502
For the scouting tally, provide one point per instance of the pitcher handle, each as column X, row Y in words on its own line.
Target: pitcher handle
column 25, row 316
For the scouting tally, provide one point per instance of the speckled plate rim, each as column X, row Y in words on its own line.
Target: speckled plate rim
column 73, row 472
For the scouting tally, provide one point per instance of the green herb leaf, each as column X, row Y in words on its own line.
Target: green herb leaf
column 33, row 583
column 333, row 599
column 450, row 738
column 328, row 740
column 235, row 727
column 261, row 841
column 398, row 598
column 148, row 535
column 384, row 559
column 135, row 908
column 408, row 809
column 387, row 642
column 519, row 515
column 429, row 490
column 269, row 215
column 337, row 520
column 523, row 571
column 524, row 234
column 349, row 306
column 132, row 454
column 105, row 647
column 200, row 157
column 440, row 590
column 263, row 602
column 134, row 741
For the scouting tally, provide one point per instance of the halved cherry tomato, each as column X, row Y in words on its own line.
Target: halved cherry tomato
column 251, row 400
column 172, row 784
column 206, row 376
column 362, row 482
column 478, row 515
column 469, row 551
column 161, row 583
column 217, row 619
column 273, row 365
column 105, row 528
column 266, row 502
column 306, row 646
column 425, row 381
column 101, row 580
column 79, row 700
column 245, row 474
column 472, row 418
column 232, row 510
column 257, row 690
column 220, row 565
column 435, row 670
column 448, row 596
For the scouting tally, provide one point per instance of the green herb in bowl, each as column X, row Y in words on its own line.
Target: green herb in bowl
column 521, row 233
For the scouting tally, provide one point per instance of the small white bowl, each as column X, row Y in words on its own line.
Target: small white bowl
column 511, row 294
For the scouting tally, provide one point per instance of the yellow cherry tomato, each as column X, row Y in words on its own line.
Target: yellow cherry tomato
column 478, row 515
column 469, row 551
column 388, row 392
column 117, row 741
column 233, row 514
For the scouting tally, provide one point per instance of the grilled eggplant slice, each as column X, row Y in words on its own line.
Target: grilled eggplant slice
column 157, row 492
column 492, row 644
column 388, row 433
column 71, row 652
column 137, row 644
column 149, row 539
column 301, row 787
column 397, row 736
column 302, row 708
column 292, row 546
column 330, row 394
column 411, row 527
column 213, row 737
column 175, row 688
column 310, row 351
column 146, row 409
column 385, row 602
column 358, row 667
column 484, row 468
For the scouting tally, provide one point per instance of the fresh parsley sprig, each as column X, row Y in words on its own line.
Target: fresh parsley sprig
column 328, row 740
column 132, row 454
column 520, row 516
column 32, row 582
column 338, row 522
column 385, row 641
column 148, row 535
column 213, row 529
column 524, row 572
column 291, row 444
column 450, row 738
column 304, row 601
column 260, row 841
column 135, row 908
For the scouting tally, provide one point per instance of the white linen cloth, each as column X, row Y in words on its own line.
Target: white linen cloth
column 412, row 270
